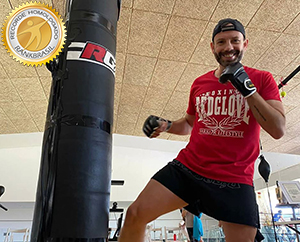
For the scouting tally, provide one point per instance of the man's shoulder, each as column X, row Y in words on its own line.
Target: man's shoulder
column 208, row 74
column 254, row 71
column 205, row 76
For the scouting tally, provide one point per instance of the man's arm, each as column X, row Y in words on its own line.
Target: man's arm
column 183, row 126
column 156, row 125
column 183, row 213
column 269, row 114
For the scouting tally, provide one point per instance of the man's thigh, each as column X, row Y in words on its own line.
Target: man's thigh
column 154, row 201
column 238, row 232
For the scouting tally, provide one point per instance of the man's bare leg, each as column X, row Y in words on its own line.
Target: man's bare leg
column 238, row 232
column 154, row 201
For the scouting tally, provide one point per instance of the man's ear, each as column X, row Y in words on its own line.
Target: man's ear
column 246, row 44
column 212, row 47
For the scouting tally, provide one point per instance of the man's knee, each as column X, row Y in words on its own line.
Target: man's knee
column 134, row 214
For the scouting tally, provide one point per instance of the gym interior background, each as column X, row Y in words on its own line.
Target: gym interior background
column 162, row 46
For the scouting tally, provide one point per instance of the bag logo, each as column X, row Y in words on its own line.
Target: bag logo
column 92, row 52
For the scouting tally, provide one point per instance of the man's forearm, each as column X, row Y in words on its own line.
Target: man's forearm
column 269, row 114
column 181, row 127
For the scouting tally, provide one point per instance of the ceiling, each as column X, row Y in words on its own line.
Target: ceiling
column 162, row 46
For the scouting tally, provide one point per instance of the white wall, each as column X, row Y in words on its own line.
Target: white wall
column 19, row 173
column 136, row 167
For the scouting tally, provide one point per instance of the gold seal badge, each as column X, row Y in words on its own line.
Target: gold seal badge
column 34, row 34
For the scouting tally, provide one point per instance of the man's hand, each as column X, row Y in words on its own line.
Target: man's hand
column 238, row 77
column 154, row 125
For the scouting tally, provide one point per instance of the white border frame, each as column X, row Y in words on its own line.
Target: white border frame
column 292, row 197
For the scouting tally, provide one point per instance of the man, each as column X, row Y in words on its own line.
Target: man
column 197, row 228
column 189, row 223
column 214, row 173
column 278, row 216
column 280, row 230
column 193, row 225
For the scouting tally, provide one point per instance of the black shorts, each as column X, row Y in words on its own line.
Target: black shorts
column 229, row 202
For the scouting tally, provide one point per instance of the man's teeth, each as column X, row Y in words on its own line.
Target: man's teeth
column 229, row 55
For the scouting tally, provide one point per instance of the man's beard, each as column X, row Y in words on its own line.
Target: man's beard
column 225, row 63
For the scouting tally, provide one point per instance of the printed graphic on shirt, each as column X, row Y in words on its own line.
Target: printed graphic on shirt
column 221, row 112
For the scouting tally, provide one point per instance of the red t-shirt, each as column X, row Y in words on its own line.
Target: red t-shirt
column 224, row 142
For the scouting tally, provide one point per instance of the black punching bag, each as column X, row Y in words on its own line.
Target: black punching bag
column 264, row 168
column 72, row 198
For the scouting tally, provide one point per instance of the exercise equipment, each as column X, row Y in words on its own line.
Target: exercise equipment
column 9, row 236
column 236, row 74
column 264, row 167
column 150, row 229
column 265, row 170
column 152, row 123
column 117, row 232
column 178, row 233
column 2, row 190
column 115, row 209
column 73, row 193
column 289, row 77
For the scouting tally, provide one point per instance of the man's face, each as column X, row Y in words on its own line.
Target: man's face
column 229, row 47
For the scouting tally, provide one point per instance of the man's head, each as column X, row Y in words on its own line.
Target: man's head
column 228, row 41
column 228, row 24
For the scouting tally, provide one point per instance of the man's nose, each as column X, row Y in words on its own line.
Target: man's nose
column 228, row 46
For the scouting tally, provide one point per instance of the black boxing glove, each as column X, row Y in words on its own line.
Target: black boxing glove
column 239, row 79
column 152, row 123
